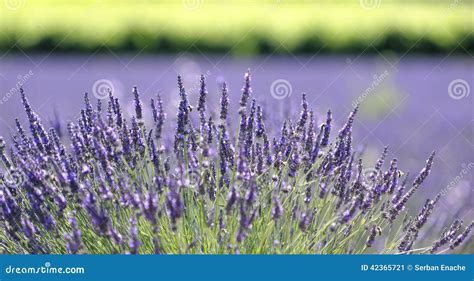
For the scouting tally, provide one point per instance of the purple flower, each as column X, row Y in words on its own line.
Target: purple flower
column 201, row 108
column 425, row 172
column 306, row 219
column 327, row 130
column 231, row 199
column 134, row 240
column 317, row 144
column 400, row 205
column 159, row 116
column 260, row 127
column 294, row 163
column 73, row 239
column 249, row 130
column 224, row 103
column 174, row 206
column 183, row 120
column 447, row 236
column 304, row 114
column 462, row 237
column 150, row 206
column 246, row 92
column 138, row 104
column 309, row 140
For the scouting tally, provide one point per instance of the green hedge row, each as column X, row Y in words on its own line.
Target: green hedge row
column 238, row 27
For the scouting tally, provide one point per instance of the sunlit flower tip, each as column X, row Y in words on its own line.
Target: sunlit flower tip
column 138, row 104
column 260, row 127
column 174, row 206
column 202, row 95
column 327, row 129
column 381, row 160
column 246, row 92
column 392, row 176
column 181, row 89
column 425, row 172
column 309, row 139
column 224, row 102
column 134, row 243
column 154, row 111
column 304, row 113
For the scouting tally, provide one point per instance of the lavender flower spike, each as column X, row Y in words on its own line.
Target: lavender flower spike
column 138, row 104
column 224, row 103
column 462, row 237
column 134, row 241
column 246, row 92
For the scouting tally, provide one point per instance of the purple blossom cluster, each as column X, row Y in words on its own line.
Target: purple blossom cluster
column 118, row 185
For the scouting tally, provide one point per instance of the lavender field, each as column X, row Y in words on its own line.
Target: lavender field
column 414, row 105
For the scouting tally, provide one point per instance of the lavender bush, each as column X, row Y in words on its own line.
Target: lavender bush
column 117, row 186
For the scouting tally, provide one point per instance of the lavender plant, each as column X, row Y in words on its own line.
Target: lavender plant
column 117, row 186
